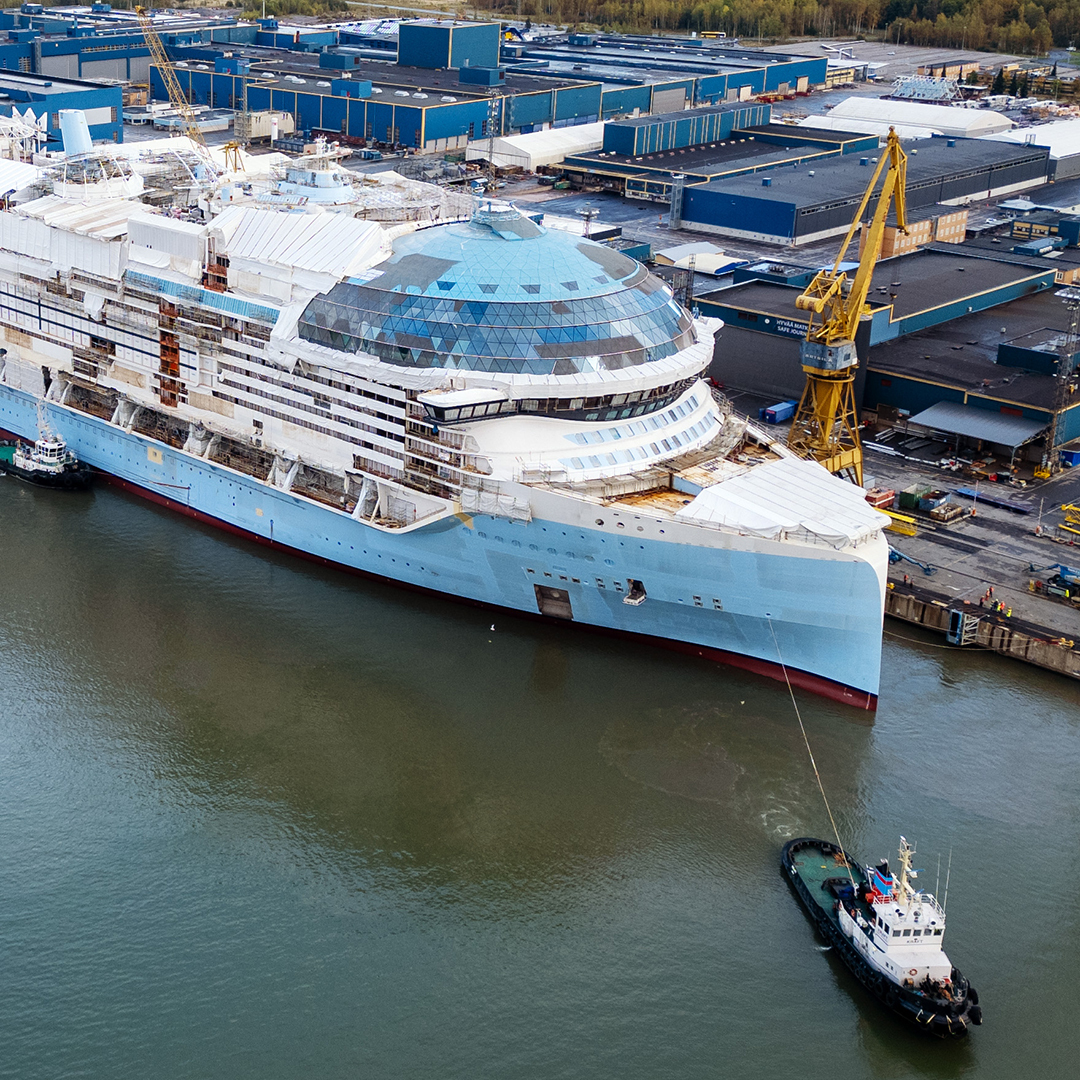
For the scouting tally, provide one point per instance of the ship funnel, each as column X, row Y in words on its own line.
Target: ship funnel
column 76, row 132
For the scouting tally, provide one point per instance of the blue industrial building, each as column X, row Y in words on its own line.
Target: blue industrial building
column 672, row 131
column 422, row 109
column 46, row 97
column 965, row 375
column 429, row 43
column 909, row 293
column 741, row 140
column 801, row 205
column 341, row 82
column 980, row 333
column 661, row 75
column 95, row 42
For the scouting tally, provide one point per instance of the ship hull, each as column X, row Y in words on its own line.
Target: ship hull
column 815, row 620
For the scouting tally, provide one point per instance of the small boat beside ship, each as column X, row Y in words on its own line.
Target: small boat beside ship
column 47, row 463
column 887, row 933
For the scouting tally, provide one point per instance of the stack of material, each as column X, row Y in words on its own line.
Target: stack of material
column 881, row 498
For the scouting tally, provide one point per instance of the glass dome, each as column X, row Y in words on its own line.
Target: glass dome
column 500, row 293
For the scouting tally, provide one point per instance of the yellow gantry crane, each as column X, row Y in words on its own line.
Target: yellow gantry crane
column 825, row 427
column 176, row 96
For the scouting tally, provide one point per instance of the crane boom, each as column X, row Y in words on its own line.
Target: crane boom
column 176, row 96
column 825, row 427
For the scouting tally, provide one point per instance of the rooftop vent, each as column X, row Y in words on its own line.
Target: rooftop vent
column 766, row 181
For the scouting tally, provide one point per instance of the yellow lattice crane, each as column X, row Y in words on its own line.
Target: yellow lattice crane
column 825, row 427
column 176, row 96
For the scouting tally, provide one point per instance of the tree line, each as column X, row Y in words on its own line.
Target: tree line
column 1009, row 26
column 994, row 25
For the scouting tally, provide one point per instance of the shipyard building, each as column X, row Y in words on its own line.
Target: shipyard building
column 793, row 206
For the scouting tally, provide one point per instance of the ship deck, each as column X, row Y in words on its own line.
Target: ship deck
column 815, row 867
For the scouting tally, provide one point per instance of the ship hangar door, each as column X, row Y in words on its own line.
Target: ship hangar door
column 554, row 602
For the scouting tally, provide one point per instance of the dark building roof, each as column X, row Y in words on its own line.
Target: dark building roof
column 963, row 352
column 915, row 282
column 845, row 178
column 703, row 159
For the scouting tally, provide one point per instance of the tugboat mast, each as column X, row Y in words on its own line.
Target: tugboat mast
column 903, row 886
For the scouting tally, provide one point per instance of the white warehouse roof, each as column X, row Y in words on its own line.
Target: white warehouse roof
column 867, row 127
column 538, row 148
column 1062, row 136
column 948, row 119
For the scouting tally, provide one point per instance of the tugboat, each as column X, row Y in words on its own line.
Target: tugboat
column 48, row 463
column 888, row 934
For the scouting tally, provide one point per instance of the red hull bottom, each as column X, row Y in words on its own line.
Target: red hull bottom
column 803, row 680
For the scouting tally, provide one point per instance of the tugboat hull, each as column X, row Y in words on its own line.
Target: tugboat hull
column 811, row 881
column 77, row 478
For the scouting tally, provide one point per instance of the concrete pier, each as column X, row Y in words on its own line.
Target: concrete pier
column 967, row 626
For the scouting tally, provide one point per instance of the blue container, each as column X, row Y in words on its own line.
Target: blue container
column 777, row 414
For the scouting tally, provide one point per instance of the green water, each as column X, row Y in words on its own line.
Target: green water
column 259, row 819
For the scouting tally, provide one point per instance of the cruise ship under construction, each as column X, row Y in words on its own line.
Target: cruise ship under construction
column 439, row 393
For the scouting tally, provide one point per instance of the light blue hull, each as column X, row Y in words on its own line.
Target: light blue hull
column 825, row 612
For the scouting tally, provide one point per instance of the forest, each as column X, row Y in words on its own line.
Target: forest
column 991, row 25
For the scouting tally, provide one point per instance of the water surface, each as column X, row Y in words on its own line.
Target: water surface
column 261, row 819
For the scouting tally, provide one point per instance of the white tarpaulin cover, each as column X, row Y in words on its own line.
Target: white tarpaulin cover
column 788, row 497
column 495, row 504
column 538, row 148
column 70, row 235
column 271, row 252
column 16, row 175
column 166, row 242
column 708, row 258
column 948, row 119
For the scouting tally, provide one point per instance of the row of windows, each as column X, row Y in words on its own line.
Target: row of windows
column 321, row 409
column 584, row 438
column 325, row 414
column 588, row 358
column 594, row 409
column 365, row 390
column 673, row 443
column 300, row 421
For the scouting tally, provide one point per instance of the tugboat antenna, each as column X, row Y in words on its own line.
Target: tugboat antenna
column 817, row 775
column 948, row 874
column 937, row 876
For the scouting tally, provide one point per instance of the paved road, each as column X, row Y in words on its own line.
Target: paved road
column 994, row 548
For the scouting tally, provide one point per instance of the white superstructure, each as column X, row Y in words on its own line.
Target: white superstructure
column 387, row 396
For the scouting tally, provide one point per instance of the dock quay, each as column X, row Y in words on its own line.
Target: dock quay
column 967, row 626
